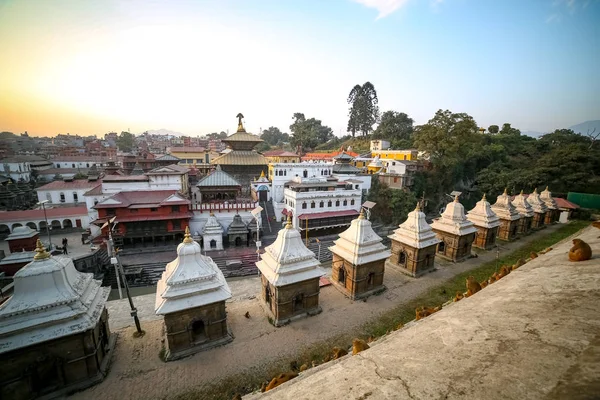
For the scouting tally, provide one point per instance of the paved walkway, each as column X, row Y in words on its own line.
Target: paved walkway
column 138, row 373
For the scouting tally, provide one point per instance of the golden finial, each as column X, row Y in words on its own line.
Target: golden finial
column 187, row 237
column 289, row 222
column 547, row 188
column 262, row 174
column 240, row 125
column 456, row 199
column 212, row 214
column 418, row 207
column 521, row 194
column 535, row 191
column 505, row 191
column 483, row 198
column 362, row 214
column 41, row 253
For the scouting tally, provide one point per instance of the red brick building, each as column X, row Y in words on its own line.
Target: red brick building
column 147, row 218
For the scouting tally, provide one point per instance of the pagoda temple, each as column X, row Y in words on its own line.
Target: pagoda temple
column 509, row 217
column 553, row 212
column 237, row 232
column 358, row 261
column 525, row 211
column 539, row 210
column 414, row 245
column 54, row 335
column 487, row 223
column 455, row 231
column 191, row 296
column 242, row 162
column 212, row 234
column 342, row 164
column 289, row 277
column 218, row 186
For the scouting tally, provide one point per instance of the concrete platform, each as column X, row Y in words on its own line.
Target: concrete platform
column 535, row 334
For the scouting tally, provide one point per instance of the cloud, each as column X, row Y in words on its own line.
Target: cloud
column 385, row 7
column 553, row 18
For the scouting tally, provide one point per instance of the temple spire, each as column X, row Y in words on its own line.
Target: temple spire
column 289, row 222
column 483, row 198
column 418, row 206
column 362, row 214
column 187, row 237
column 505, row 191
column 456, row 199
column 240, row 127
column 40, row 251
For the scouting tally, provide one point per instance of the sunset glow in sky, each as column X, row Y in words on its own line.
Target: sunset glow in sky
column 90, row 67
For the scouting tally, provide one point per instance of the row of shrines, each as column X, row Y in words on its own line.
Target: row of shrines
column 192, row 292
column 54, row 332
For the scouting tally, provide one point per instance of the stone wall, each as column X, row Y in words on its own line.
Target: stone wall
column 417, row 261
column 358, row 280
column 456, row 248
column 508, row 230
column 284, row 302
column 485, row 238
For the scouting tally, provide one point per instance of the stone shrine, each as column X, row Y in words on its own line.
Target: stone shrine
column 455, row 231
column 539, row 210
column 212, row 234
column 290, row 278
column 54, row 335
column 358, row 261
column 22, row 238
column 553, row 212
column 509, row 217
column 237, row 232
column 486, row 222
column 191, row 296
column 525, row 211
column 414, row 245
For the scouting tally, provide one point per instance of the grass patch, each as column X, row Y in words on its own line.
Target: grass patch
column 251, row 379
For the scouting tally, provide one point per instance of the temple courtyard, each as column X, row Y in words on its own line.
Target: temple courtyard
column 137, row 372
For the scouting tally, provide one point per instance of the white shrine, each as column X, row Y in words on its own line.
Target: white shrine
column 455, row 231
column 212, row 234
column 359, row 258
column 191, row 296
column 539, row 210
column 290, row 275
column 414, row 245
column 509, row 217
column 487, row 223
column 553, row 212
column 525, row 211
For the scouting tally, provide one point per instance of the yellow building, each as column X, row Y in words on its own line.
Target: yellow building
column 397, row 155
column 193, row 155
column 281, row 156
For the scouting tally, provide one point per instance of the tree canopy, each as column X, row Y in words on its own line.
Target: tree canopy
column 215, row 135
column 308, row 133
column 364, row 109
column 397, row 128
column 273, row 136
column 125, row 141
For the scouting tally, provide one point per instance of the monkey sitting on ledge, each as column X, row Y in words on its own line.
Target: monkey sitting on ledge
column 580, row 251
column 472, row 286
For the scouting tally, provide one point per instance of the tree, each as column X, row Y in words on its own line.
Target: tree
column 308, row 133
column 393, row 205
column 364, row 109
column 274, row 136
column 125, row 141
column 493, row 129
column 508, row 130
column 215, row 135
column 397, row 128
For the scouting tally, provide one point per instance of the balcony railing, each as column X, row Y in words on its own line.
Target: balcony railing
column 225, row 206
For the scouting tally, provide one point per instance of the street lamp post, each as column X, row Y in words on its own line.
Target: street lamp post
column 43, row 204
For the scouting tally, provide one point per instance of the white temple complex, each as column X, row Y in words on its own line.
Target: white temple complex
column 414, row 245
column 539, row 210
column 525, row 211
column 487, row 222
column 358, row 260
column 191, row 296
column 552, row 212
column 455, row 231
column 508, row 216
column 212, row 234
column 290, row 278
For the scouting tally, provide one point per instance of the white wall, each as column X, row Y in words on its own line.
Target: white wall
column 294, row 200
column 54, row 196
column 75, row 164
column 167, row 182
column 18, row 171
column 292, row 170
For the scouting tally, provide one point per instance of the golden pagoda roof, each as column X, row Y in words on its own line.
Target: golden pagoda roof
column 241, row 157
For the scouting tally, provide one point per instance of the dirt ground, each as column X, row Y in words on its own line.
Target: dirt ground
column 138, row 373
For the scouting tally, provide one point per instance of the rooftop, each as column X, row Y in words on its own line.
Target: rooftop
column 218, row 177
column 125, row 178
column 241, row 157
column 51, row 213
column 188, row 149
column 143, row 198
column 74, row 184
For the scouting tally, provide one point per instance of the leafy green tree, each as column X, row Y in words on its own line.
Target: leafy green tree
column 125, row 141
column 393, row 205
column 364, row 109
column 308, row 133
column 508, row 130
column 274, row 136
column 493, row 129
column 397, row 128
column 216, row 136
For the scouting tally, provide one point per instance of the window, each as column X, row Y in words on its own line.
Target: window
column 110, row 211
column 395, row 179
column 177, row 225
column 285, row 173
column 305, row 173
column 394, row 163
column 321, row 204
column 352, row 202
column 133, row 211
column 304, row 205
column 87, row 165
column 73, row 165
column 442, row 247
column 62, row 197
column 312, row 204
column 95, row 201
column 337, row 203
column 329, row 203
column 154, row 209
column 345, row 203
column 175, row 208
column 355, row 186
column 75, row 197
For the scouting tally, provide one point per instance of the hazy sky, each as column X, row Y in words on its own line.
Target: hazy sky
column 91, row 67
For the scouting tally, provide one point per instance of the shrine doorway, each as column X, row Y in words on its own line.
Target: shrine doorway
column 238, row 241
column 198, row 331
column 342, row 276
column 299, row 302
column 213, row 244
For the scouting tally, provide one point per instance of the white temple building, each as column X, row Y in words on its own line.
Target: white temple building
column 191, row 295
column 553, row 212
column 414, row 245
column 44, row 325
column 508, row 216
column 212, row 234
column 359, row 258
column 539, row 210
column 455, row 231
column 290, row 276
column 487, row 223
column 525, row 211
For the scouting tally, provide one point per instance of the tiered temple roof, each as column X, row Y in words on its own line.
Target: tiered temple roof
column 415, row 231
column 218, row 178
column 51, row 299
column 237, row 226
column 241, row 144
column 453, row 220
column 287, row 260
column 504, row 209
column 359, row 244
column 522, row 205
column 482, row 215
column 546, row 197
column 342, row 164
column 212, row 226
column 537, row 204
column 191, row 280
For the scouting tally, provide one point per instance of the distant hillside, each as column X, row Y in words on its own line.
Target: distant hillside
column 586, row 127
column 164, row 131
column 533, row 134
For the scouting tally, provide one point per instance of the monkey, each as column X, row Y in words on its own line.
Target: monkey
column 370, row 339
column 580, row 251
column 519, row 263
column 548, row 249
column 263, row 387
column 459, row 296
column 294, row 365
column 483, row 284
column 337, row 353
column 596, row 224
column 472, row 286
column 314, row 363
column 359, row 345
column 504, row 270
column 327, row 358
column 247, row 315
column 400, row 326
column 423, row 312
column 533, row 255
column 280, row 379
column 493, row 278
column 303, row 367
